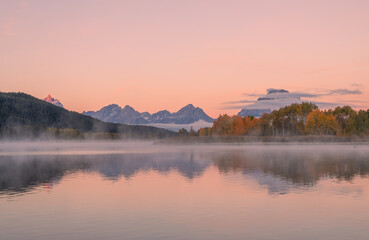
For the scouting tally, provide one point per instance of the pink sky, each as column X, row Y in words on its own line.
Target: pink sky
column 156, row 55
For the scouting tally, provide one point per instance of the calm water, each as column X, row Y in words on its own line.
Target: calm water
column 115, row 190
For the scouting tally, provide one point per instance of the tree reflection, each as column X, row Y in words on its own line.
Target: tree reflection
column 299, row 167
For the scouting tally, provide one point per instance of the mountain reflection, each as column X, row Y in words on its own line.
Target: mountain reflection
column 278, row 170
column 114, row 166
column 21, row 174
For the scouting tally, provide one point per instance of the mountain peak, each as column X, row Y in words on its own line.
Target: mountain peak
column 188, row 106
column 127, row 107
column 190, row 114
column 54, row 101
column 111, row 107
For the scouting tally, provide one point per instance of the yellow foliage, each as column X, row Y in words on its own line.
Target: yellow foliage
column 319, row 122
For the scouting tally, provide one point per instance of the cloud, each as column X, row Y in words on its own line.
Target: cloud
column 228, row 107
column 342, row 91
column 302, row 96
column 328, row 104
column 336, row 104
column 323, row 105
column 240, row 101
column 357, row 85
column 319, row 92
column 253, row 94
column 339, row 91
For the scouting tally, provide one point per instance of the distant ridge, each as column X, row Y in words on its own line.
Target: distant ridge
column 128, row 115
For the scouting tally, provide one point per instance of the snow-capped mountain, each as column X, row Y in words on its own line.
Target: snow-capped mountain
column 273, row 100
column 127, row 115
column 54, row 101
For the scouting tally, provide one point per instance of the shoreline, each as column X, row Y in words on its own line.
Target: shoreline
column 258, row 139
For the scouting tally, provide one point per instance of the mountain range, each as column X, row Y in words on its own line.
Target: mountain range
column 22, row 115
column 128, row 115
column 188, row 116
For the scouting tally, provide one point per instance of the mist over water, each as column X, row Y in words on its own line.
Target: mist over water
column 143, row 190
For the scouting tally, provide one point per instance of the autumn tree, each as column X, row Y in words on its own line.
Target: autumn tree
column 319, row 122
column 182, row 132
column 251, row 125
column 222, row 125
column 192, row 132
column 291, row 119
column 347, row 120
column 266, row 125
column 238, row 126
column 205, row 131
column 363, row 122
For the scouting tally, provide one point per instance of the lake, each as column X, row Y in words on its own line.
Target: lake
column 143, row 190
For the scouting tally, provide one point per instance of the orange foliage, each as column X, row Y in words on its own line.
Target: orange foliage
column 319, row 122
column 232, row 126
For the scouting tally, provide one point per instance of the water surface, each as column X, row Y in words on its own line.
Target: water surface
column 117, row 190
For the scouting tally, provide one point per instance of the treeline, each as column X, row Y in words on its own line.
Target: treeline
column 37, row 132
column 293, row 120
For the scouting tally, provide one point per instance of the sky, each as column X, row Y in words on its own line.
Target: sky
column 165, row 54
